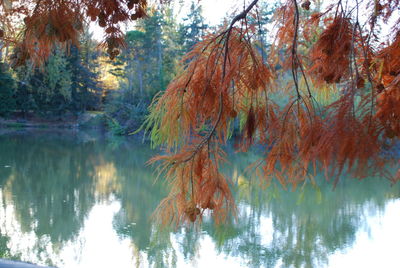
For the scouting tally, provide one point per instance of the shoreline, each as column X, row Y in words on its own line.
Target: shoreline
column 93, row 120
column 31, row 124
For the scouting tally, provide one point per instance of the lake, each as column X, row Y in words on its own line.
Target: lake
column 79, row 199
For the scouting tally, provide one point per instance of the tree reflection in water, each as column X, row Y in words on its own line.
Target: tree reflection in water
column 52, row 180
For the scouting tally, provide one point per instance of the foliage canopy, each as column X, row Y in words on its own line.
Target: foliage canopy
column 324, row 47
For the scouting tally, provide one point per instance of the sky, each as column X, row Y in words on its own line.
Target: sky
column 375, row 243
column 213, row 11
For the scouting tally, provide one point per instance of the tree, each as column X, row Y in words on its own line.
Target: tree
column 85, row 90
column 46, row 89
column 7, row 91
column 338, row 49
column 141, row 77
column 50, row 21
column 63, row 84
column 226, row 77
column 193, row 27
column 154, row 38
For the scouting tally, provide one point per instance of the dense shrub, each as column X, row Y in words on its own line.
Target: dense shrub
column 125, row 111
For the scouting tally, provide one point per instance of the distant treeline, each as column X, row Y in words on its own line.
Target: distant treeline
column 75, row 80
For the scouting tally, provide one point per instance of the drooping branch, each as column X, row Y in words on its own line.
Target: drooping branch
column 206, row 109
column 341, row 137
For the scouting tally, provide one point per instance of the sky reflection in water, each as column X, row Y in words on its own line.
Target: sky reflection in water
column 74, row 199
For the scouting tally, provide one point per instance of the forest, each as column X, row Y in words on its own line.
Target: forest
column 85, row 80
column 316, row 84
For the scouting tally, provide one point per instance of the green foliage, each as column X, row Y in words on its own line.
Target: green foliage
column 149, row 62
column 64, row 84
column 7, row 90
column 48, row 88
column 115, row 127
column 125, row 112
column 24, row 98
column 92, row 120
column 193, row 27
column 85, row 90
column 57, row 78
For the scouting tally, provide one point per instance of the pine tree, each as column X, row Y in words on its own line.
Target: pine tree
column 63, row 84
column 143, row 77
column 85, row 90
column 51, row 86
column 193, row 28
column 7, row 91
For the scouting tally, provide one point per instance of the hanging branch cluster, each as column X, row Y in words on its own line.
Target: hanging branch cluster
column 226, row 79
column 223, row 69
column 44, row 23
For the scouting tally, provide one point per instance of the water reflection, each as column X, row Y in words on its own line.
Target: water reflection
column 65, row 196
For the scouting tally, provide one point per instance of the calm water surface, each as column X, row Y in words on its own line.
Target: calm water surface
column 73, row 199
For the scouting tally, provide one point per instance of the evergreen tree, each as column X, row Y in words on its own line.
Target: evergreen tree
column 51, row 86
column 193, row 27
column 64, row 84
column 263, row 17
column 24, row 98
column 153, row 47
column 149, row 60
column 7, row 90
column 172, row 46
column 85, row 91
column 144, row 67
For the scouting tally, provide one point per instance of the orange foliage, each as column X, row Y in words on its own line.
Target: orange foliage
column 226, row 78
column 331, row 53
column 46, row 22
column 219, row 83
column 388, row 111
